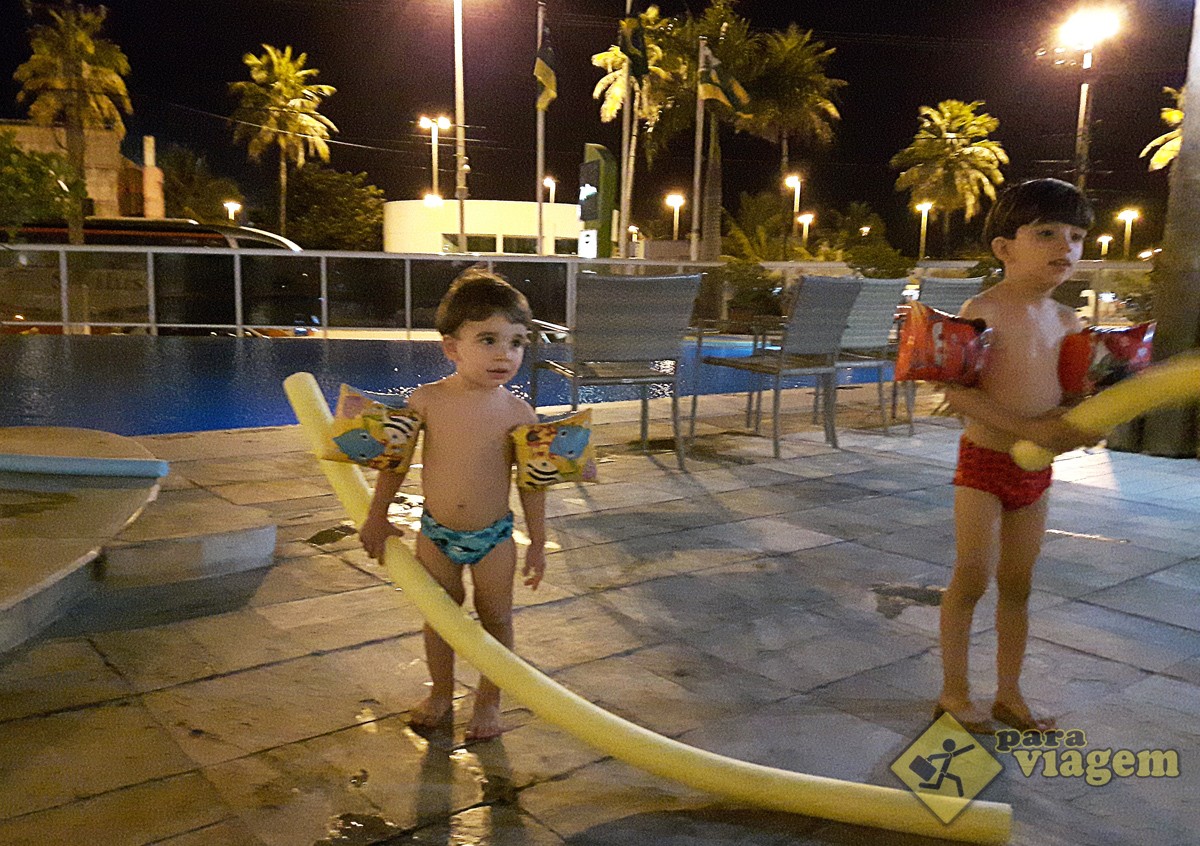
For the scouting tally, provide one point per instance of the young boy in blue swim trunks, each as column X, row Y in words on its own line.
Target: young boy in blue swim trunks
column 468, row 458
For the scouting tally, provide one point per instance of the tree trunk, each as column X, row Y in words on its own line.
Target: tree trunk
column 1177, row 274
column 76, row 147
column 783, row 175
column 710, row 239
column 282, row 192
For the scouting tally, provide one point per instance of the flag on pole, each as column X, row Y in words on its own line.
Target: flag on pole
column 543, row 70
column 716, row 84
column 633, row 45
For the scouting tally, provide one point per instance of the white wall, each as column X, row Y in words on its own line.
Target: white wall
column 410, row 226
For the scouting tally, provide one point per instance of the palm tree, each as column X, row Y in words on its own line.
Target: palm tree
column 740, row 54
column 951, row 161
column 278, row 108
column 76, row 79
column 783, row 73
column 792, row 97
column 192, row 190
column 1168, row 143
column 755, row 233
column 646, row 90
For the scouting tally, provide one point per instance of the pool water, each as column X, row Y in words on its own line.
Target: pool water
column 143, row 385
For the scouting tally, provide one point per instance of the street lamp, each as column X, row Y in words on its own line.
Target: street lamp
column 461, row 168
column 1129, row 216
column 794, row 182
column 232, row 207
column 675, row 201
column 551, row 183
column 1083, row 31
column 805, row 220
column 1104, row 241
column 433, row 125
column 864, row 231
column 923, row 208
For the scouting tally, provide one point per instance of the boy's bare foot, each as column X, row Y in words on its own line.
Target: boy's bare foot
column 1018, row 715
column 434, row 712
column 970, row 717
column 485, row 722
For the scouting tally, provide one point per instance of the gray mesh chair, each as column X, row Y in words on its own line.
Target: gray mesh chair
column 812, row 336
column 946, row 295
column 629, row 330
column 868, row 334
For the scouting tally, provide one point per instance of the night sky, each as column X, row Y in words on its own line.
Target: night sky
column 392, row 60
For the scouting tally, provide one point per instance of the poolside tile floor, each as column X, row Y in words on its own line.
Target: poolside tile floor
column 781, row 611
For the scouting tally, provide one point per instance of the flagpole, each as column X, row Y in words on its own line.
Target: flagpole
column 460, row 119
column 697, row 153
column 626, row 131
column 541, row 142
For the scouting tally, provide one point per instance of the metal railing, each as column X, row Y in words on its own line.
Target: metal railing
column 187, row 290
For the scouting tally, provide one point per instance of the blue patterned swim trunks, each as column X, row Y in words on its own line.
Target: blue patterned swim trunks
column 466, row 547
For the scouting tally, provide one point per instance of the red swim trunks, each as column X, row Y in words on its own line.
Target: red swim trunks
column 996, row 473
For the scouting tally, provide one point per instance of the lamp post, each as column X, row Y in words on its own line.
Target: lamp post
column 923, row 208
column 551, row 183
column 1128, row 216
column 805, row 220
column 433, row 125
column 461, row 168
column 675, row 201
column 1104, row 241
column 1083, row 31
column 232, row 207
column 794, row 182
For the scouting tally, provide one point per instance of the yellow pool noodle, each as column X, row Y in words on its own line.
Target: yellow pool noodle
column 754, row 784
column 1173, row 382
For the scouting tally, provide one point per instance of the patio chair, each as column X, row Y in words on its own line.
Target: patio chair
column 946, row 295
column 868, row 335
column 626, row 329
column 809, row 344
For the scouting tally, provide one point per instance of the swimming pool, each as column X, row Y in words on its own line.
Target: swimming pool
column 145, row 385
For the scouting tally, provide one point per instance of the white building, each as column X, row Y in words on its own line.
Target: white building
column 493, row 226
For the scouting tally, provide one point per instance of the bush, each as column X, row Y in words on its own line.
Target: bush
column 875, row 259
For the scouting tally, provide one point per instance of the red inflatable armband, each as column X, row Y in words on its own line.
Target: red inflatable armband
column 1120, row 351
column 940, row 347
column 1074, row 361
column 1101, row 356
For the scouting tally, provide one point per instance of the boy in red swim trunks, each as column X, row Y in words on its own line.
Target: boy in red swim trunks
column 1037, row 230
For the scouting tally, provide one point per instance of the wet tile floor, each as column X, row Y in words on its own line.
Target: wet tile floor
column 780, row 611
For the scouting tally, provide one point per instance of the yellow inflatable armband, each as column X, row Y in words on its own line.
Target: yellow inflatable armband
column 555, row 450
column 371, row 433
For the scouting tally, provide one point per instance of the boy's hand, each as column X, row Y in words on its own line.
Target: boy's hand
column 374, row 534
column 535, row 566
column 1058, row 436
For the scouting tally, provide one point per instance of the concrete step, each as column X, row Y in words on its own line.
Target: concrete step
column 184, row 535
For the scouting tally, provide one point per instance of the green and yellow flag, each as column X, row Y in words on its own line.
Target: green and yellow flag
column 716, row 84
column 543, row 70
column 633, row 45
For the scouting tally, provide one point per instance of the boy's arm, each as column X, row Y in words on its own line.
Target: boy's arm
column 533, row 503
column 376, row 529
column 1048, row 429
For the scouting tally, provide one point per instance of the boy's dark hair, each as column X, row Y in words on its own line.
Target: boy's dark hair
column 477, row 295
column 1037, row 201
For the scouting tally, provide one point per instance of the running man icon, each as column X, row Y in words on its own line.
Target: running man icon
column 934, row 776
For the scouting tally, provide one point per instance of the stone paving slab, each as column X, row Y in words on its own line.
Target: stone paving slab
column 783, row 611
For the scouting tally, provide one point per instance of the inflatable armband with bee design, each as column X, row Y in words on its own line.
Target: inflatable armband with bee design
column 555, row 450
column 371, row 433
